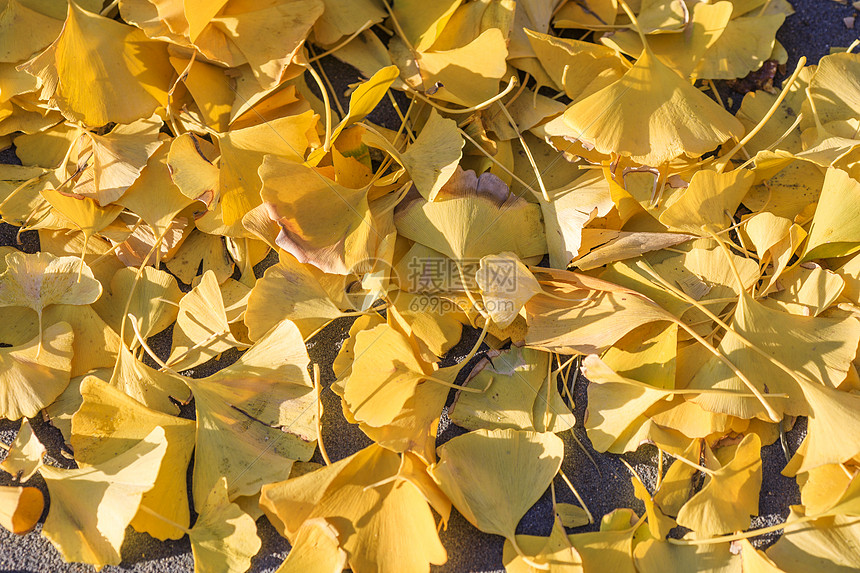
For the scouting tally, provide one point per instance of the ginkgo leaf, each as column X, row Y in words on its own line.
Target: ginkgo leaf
column 115, row 487
column 24, row 30
column 518, row 392
column 833, row 232
column 41, row 279
column 114, row 160
column 335, row 239
column 615, row 404
column 82, row 76
column 597, row 315
column 707, row 200
column 818, row 349
column 255, row 417
column 36, row 373
column 398, row 532
column 191, row 171
column 385, row 373
column 242, row 152
column 466, row 75
column 109, row 423
column 651, row 126
column 433, row 158
column 422, row 23
column 150, row 387
column 730, row 494
column 24, row 457
column 344, row 18
column 825, row 544
column 200, row 248
column 202, row 330
column 288, row 290
column 494, row 476
column 316, row 549
column 470, row 214
column 653, row 556
column 579, row 68
column 224, row 538
column 659, row 524
column 572, row 208
column 152, row 298
column 554, row 553
column 20, row 508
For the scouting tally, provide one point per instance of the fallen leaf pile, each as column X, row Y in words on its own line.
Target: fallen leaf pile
column 565, row 178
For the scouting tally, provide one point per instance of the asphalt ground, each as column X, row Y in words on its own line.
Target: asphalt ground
column 816, row 26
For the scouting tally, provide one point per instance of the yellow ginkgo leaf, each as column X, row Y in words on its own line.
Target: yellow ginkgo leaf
column 191, row 170
column 153, row 195
column 20, row 508
column 835, row 231
column 651, row 126
column 242, row 152
column 316, row 549
column 288, row 290
column 571, row 208
column 422, row 24
column 397, row 532
column 833, row 87
column 730, row 494
column 202, row 330
column 366, row 97
column 36, row 373
column 710, row 200
column 682, row 52
column 824, row 544
column 659, row 524
column 114, row 160
column 472, row 217
column 519, row 392
column 24, row 31
column 654, row 556
column 100, row 71
column 586, row 317
column 555, row 553
column 285, row 23
column 154, row 300
column 200, row 248
column 24, row 457
column 148, row 386
column 344, row 18
column 109, row 423
column 337, row 238
column 41, row 279
column 832, row 412
column 647, row 354
column 744, row 45
column 78, row 530
column 616, row 406
column 579, row 68
column 255, row 417
column 494, row 476
column 385, row 374
column 818, row 349
column 433, row 158
column 224, row 538
column 468, row 75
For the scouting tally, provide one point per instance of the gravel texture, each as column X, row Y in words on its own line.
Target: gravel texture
column 815, row 28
